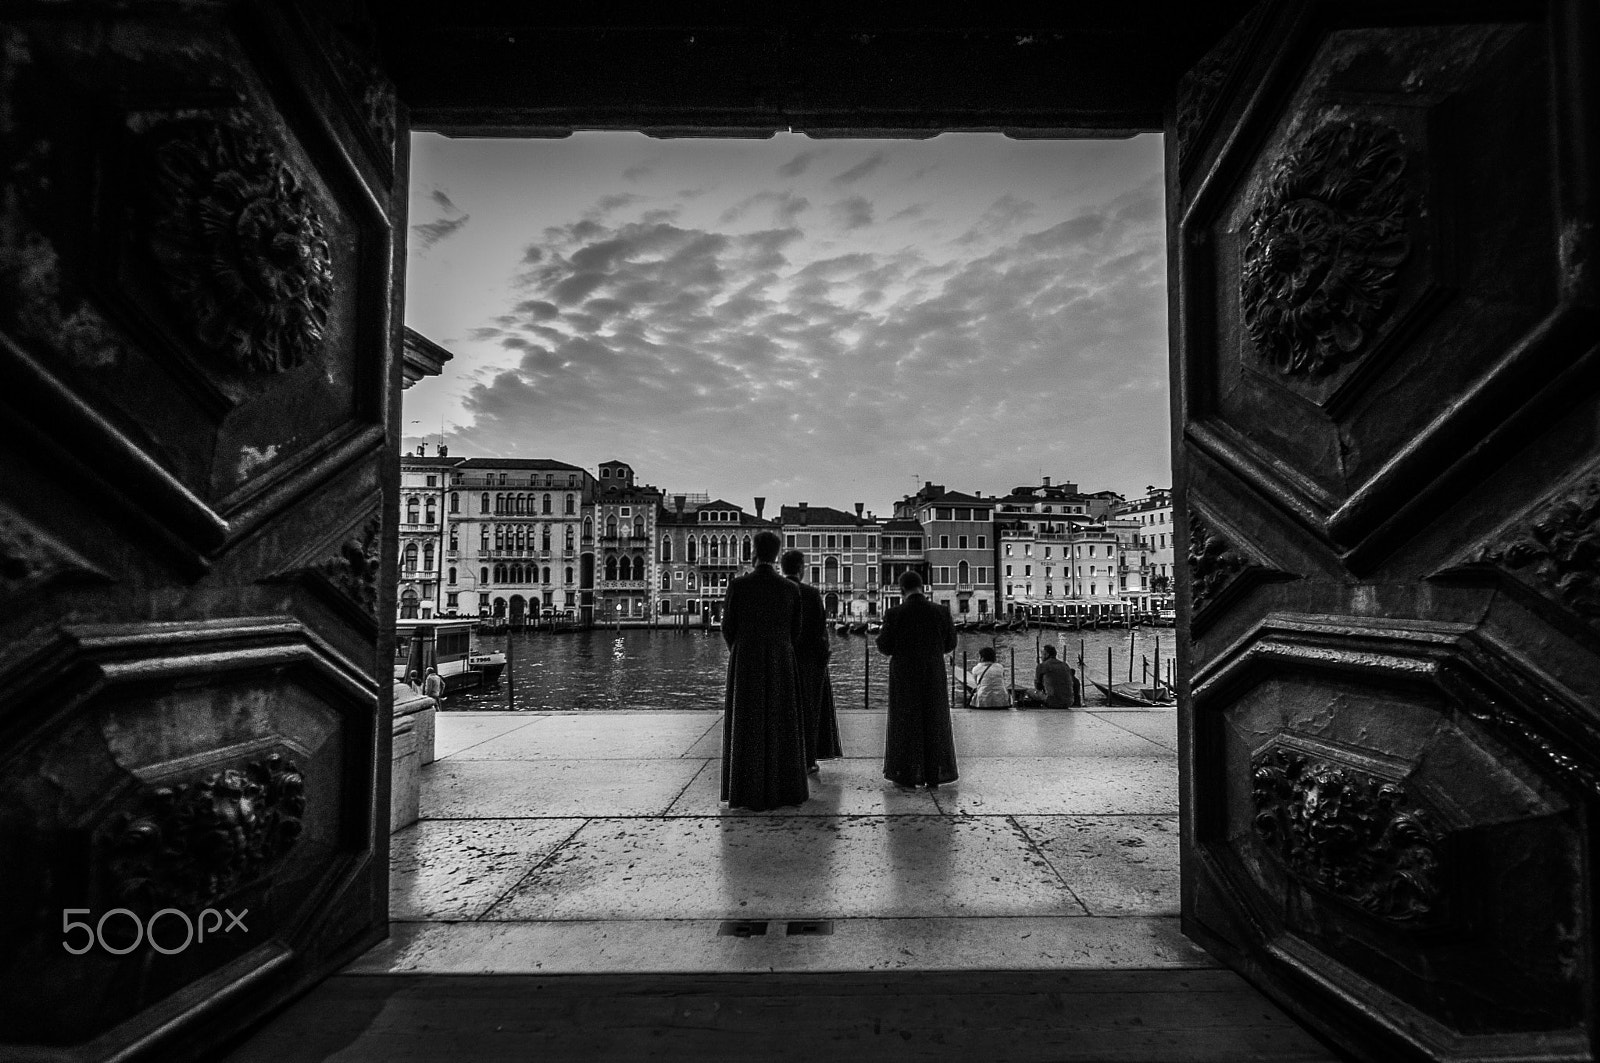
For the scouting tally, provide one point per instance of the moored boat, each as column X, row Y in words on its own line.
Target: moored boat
column 441, row 644
column 1135, row 695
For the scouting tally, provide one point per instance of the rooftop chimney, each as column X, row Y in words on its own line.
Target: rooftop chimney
column 422, row 450
column 444, row 451
column 802, row 514
column 761, row 503
column 859, row 507
column 677, row 504
column 1047, row 481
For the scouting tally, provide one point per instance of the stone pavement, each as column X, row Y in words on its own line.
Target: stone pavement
column 594, row 842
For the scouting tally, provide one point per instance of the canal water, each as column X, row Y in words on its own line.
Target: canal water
column 644, row 669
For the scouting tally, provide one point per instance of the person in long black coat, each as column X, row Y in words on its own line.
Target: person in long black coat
column 920, row 749
column 817, row 713
column 763, row 748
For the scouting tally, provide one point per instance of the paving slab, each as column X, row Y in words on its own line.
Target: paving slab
column 1062, row 786
column 1160, row 727
column 457, row 868
column 1044, row 733
column 599, row 736
column 850, row 787
column 455, row 731
column 493, row 789
column 692, row 946
column 1116, row 865
column 795, row 868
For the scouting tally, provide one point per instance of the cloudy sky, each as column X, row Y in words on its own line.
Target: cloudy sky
column 819, row 321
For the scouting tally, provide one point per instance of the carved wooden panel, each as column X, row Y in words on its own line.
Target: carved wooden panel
column 1387, row 382
column 197, row 327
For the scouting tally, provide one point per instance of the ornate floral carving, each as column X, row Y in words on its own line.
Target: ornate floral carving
column 1213, row 562
column 1324, row 246
column 1350, row 833
column 192, row 843
column 353, row 571
column 1559, row 549
column 239, row 244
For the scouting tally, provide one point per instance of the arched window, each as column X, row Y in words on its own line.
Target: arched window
column 689, row 556
column 546, row 574
column 499, row 573
column 716, row 549
column 746, row 551
column 429, row 515
column 638, row 567
column 546, row 508
column 410, row 562
column 483, row 575
column 427, row 557
column 830, row 570
column 408, row 605
column 569, row 505
column 455, row 502
column 588, row 529
column 411, row 509
column 611, row 527
column 666, row 604
column 569, row 537
column 666, row 548
column 962, row 574
column 483, row 503
column 452, row 573
column 666, row 582
column 545, row 539
column 611, row 568
column 638, row 527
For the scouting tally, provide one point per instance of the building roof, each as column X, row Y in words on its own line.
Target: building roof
column 820, row 516
column 901, row 525
column 957, row 498
column 520, row 463
column 418, row 461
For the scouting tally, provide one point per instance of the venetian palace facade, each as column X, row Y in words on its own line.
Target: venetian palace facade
column 534, row 540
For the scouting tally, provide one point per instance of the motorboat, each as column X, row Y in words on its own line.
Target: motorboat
column 444, row 644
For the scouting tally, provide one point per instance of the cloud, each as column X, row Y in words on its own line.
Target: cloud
column 758, row 358
column 797, row 165
column 444, row 202
column 638, row 171
column 861, row 169
column 785, row 207
column 430, row 233
column 853, row 213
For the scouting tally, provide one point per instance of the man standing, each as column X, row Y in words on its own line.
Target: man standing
column 433, row 686
column 919, row 748
column 1055, row 681
column 763, row 751
column 817, row 713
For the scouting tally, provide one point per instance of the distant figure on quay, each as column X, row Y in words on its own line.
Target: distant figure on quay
column 919, row 749
column 763, row 745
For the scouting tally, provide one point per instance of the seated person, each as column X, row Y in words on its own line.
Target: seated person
column 987, row 682
column 1056, row 684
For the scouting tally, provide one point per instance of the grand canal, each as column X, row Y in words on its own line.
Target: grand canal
column 641, row 669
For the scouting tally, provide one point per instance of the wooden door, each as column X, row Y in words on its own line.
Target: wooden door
column 199, row 296
column 1385, row 260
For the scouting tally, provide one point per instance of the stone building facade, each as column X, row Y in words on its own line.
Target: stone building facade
column 842, row 555
column 624, row 558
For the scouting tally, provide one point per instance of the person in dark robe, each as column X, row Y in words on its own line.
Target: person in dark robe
column 919, row 749
column 763, row 746
column 817, row 713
